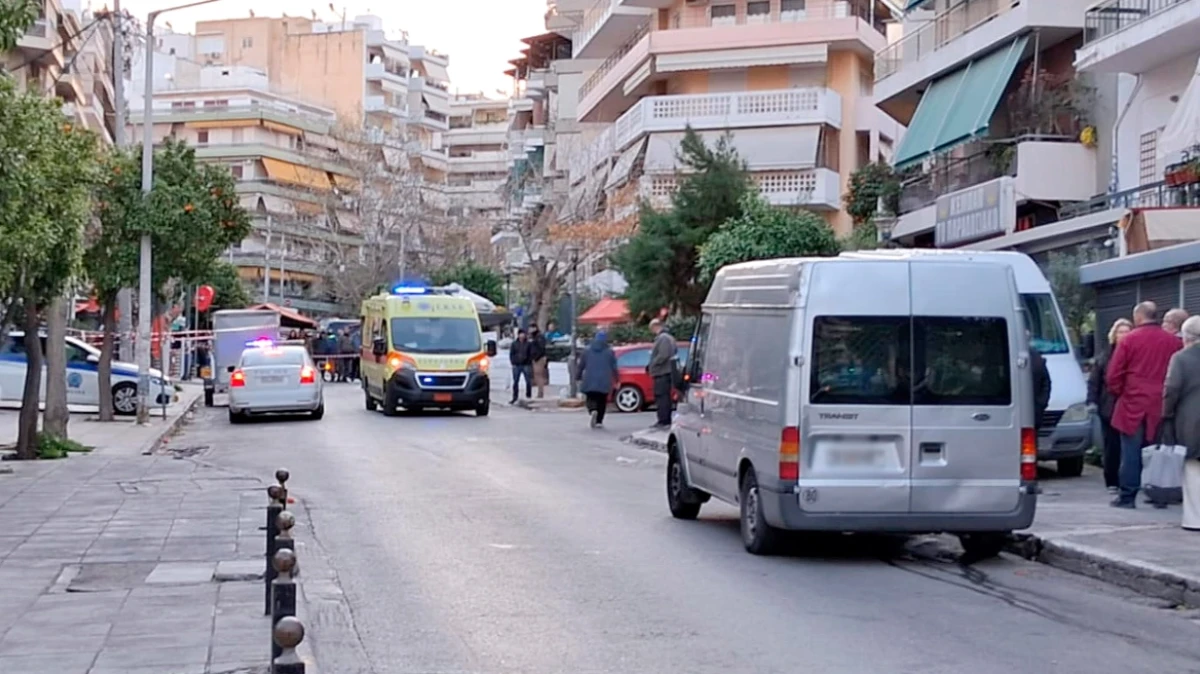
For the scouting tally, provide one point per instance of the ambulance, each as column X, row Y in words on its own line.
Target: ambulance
column 423, row 348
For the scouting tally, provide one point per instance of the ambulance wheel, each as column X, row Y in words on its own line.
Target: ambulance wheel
column 482, row 409
column 369, row 401
column 391, row 403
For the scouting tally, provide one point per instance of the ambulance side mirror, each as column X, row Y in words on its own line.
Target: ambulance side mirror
column 491, row 348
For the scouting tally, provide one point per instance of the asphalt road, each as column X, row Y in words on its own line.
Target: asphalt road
column 526, row 542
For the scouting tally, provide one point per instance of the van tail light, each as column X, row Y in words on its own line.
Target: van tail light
column 789, row 454
column 308, row 375
column 1028, row 455
column 237, row 379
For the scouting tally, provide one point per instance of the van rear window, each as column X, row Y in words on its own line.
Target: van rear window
column 869, row 360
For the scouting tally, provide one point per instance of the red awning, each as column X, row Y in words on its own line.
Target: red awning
column 289, row 318
column 606, row 311
column 91, row 306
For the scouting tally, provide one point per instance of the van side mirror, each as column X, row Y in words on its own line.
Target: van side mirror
column 491, row 348
column 379, row 347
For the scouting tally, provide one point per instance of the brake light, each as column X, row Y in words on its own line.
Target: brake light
column 308, row 375
column 237, row 379
column 1028, row 455
column 789, row 454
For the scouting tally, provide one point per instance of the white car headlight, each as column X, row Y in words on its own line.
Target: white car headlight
column 1076, row 413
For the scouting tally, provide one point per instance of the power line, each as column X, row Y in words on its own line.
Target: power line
column 92, row 28
column 30, row 61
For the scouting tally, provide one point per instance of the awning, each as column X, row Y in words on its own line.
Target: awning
column 959, row 106
column 620, row 171
column 914, row 4
column 275, row 204
column 1183, row 129
column 763, row 149
column 288, row 318
column 606, row 311
column 437, row 104
column 309, row 208
column 344, row 183
column 436, row 71
column 223, row 123
column 320, row 140
column 1147, row 229
column 742, row 58
column 282, row 128
column 295, row 174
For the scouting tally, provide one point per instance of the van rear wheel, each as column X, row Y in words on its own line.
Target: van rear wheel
column 759, row 537
column 683, row 501
column 1072, row 467
column 977, row 547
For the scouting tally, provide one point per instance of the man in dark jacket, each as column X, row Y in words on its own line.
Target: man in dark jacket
column 598, row 376
column 1136, row 375
column 537, row 354
column 520, row 355
column 1041, row 386
column 662, row 369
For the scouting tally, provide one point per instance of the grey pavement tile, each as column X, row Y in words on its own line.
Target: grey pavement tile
column 240, row 570
column 247, row 652
column 172, row 573
column 197, row 553
column 24, row 528
column 207, row 592
column 95, row 628
column 54, row 640
column 194, row 668
column 9, row 543
column 184, row 639
column 147, row 626
column 165, row 658
column 60, row 663
column 140, row 555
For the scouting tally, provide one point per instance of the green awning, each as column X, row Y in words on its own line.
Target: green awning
column 959, row 106
column 913, row 4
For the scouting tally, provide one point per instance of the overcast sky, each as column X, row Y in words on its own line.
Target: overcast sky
column 479, row 35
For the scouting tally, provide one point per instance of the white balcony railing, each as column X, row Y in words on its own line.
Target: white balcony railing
column 942, row 30
column 376, row 71
column 815, row 188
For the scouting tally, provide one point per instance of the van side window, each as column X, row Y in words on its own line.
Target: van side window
column 962, row 361
column 861, row 360
column 695, row 365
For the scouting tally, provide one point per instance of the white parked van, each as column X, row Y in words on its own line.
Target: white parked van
column 1065, row 432
column 869, row 395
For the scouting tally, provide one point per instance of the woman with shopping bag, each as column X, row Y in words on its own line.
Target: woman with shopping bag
column 1181, row 417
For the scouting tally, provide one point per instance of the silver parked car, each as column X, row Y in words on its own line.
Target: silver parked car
column 885, row 395
column 275, row 379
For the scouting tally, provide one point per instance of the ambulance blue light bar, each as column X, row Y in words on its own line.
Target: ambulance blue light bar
column 410, row 290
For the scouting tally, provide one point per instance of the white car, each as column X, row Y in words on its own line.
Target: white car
column 82, row 377
column 275, row 379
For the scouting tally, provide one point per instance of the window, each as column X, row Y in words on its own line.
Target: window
column 635, row 358
column 436, row 335
column 861, row 360
column 267, row 357
column 791, row 10
column 1045, row 330
column 723, row 15
column 247, row 42
column 202, row 138
column 962, row 361
column 237, row 170
column 76, row 353
column 758, row 11
column 1148, row 158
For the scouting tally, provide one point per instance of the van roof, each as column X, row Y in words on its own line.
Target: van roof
column 1030, row 278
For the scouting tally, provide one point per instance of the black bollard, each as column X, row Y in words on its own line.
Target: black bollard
column 274, row 507
column 288, row 633
column 283, row 594
column 283, row 540
column 282, row 476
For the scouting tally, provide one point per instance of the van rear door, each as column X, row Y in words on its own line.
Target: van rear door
column 966, row 434
column 855, row 413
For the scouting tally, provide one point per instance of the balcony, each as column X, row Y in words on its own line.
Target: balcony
column 384, row 105
column 817, row 189
column 316, row 121
column 606, row 25
column 1135, row 36
column 38, row 37
column 965, row 31
column 483, row 161
column 380, row 72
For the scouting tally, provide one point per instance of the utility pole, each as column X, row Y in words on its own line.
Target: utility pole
column 267, row 263
column 574, row 292
column 125, row 296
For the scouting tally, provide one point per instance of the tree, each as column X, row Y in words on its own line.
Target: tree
column 1076, row 300
column 192, row 215
column 47, row 175
column 868, row 185
column 477, row 278
column 660, row 261
column 762, row 232
column 15, row 17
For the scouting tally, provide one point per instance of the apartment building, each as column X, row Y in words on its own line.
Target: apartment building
column 1006, row 141
column 1151, row 46
column 292, row 176
column 65, row 53
column 790, row 80
column 477, row 159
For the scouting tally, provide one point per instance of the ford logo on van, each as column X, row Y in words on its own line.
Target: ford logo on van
column 839, row 416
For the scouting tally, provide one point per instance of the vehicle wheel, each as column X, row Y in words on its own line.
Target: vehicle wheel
column 759, row 537
column 683, row 501
column 390, row 403
column 125, row 399
column 482, row 409
column 629, row 398
column 1072, row 467
column 236, row 417
column 982, row 546
column 208, row 398
column 368, row 401
column 318, row 413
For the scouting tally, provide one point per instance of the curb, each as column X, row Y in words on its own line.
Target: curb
column 171, row 427
column 645, row 443
column 1144, row 578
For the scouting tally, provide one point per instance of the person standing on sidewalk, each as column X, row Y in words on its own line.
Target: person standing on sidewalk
column 662, row 369
column 1105, row 402
column 1136, row 375
column 520, row 355
column 598, row 376
column 537, row 347
column 1181, row 416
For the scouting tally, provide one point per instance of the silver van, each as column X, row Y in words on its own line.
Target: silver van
column 859, row 395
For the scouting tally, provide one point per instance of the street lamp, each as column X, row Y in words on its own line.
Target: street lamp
column 885, row 223
column 145, row 249
column 574, row 292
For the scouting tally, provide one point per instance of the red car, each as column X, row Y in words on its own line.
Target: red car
column 635, row 388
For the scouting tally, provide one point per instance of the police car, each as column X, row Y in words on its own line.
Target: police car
column 275, row 378
column 83, row 379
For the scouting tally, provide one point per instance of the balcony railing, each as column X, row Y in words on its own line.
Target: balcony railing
column 1151, row 195
column 610, row 62
column 941, row 31
column 829, row 9
column 1114, row 16
column 952, row 175
column 39, row 28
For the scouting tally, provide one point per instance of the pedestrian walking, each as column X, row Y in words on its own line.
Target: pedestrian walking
column 541, row 372
column 662, row 369
column 1104, row 402
column 1181, row 416
column 520, row 356
column 1173, row 321
column 345, row 347
column 1136, row 375
column 597, row 375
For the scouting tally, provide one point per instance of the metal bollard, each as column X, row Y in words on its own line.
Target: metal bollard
column 283, row 594
column 288, row 633
column 274, row 507
column 282, row 476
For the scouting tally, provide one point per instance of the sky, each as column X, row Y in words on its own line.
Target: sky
column 480, row 36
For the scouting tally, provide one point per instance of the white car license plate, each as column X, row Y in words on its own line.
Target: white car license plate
column 272, row 380
column 856, row 458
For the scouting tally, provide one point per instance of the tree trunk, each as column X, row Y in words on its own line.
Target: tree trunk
column 27, row 422
column 56, row 416
column 104, row 367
